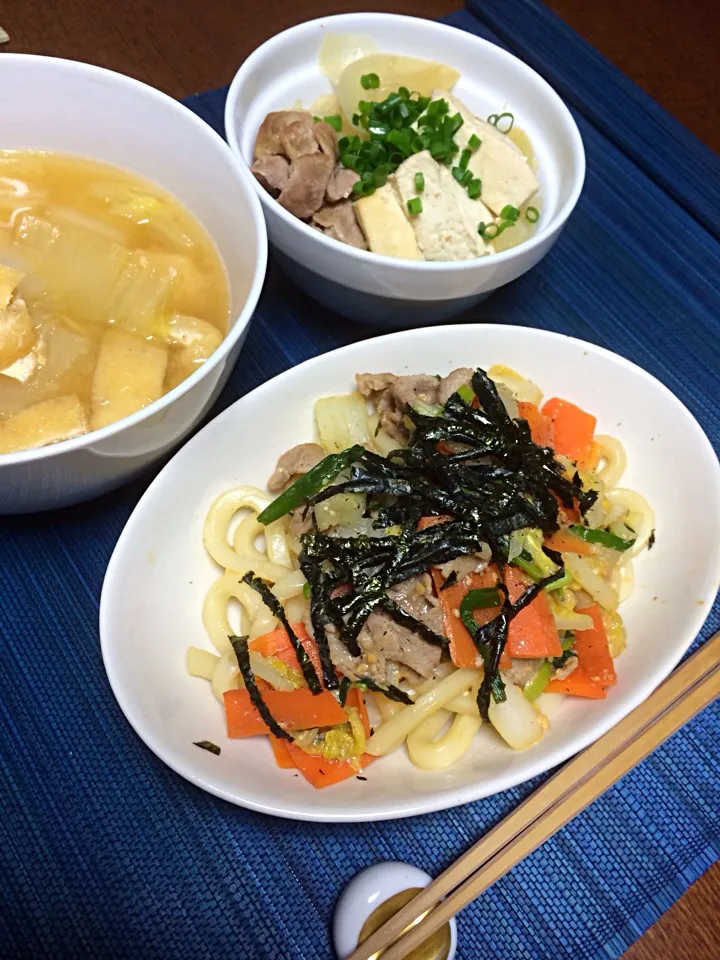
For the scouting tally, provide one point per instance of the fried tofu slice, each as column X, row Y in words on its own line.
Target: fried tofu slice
column 128, row 376
column 17, row 333
column 49, row 421
column 197, row 339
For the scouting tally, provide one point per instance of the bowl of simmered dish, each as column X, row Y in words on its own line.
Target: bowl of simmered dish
column 132, row 253
column 406, row 168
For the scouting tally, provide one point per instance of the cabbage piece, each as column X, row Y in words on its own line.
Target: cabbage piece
column 338, row 50
column 342, row 421
column 394, row 70
column 140, row 299
column 74, row 268
column 518, row 721
column 344, row 509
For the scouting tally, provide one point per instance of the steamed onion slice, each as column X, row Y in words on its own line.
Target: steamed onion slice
column 394, row 71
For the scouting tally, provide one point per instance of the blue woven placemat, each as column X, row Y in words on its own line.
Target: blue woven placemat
column 105, row 853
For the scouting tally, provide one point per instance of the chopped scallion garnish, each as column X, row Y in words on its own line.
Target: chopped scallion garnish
column 532, row 214
column 474, row 189
column 488, row 231
column 414, row 206
column 369, row 81
column 335, row 121
column 458, row 173
column 509, row 212
column 465, row 159
column 419, row 181
column 496, row 118
column 474, row 141
column 467, row 178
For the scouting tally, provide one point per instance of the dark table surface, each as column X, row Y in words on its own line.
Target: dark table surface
column 669, row 47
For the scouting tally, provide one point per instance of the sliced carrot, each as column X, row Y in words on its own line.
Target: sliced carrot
column 294, row 709
column 324, row 773
column 573, row 428
column 595, row 670
column 425, row 522
column 541, row 428
column 532, row 632
column 564, row 542
column 591, row 647
column 463, row 651
column 282, row 754
column 578, row 684
column 277, row 644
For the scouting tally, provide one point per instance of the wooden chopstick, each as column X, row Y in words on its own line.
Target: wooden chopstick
column 569, row 790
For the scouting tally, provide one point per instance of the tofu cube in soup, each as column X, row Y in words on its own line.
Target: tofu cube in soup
column 499, row 163
column 114, row 393
column 440, row 229
column 474, row 212
column 46, row 422
column 386, row 226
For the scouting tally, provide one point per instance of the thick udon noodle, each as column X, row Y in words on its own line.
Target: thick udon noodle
column 442, row 723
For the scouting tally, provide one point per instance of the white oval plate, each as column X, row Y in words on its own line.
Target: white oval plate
column 159, row 572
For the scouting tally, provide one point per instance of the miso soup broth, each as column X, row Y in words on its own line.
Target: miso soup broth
column 111, row 293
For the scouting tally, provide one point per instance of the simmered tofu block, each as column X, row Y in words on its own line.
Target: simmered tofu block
column 440, row 229
column 386, row 226
column 473, row 212
column 129, row 375
column 17, row 332
column 498, row 162
column 47, row 422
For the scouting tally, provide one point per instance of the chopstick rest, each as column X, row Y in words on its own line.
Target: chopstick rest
column 367, row 891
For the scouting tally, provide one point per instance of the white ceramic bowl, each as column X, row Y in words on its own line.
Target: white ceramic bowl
column 384, row 290
column 61, row 105
column 161, row 564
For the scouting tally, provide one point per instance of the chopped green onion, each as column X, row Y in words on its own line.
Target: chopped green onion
column 488, row 231
column 369, row 81
column 564, row 581
column 414, row 206
column 532, row 214
column 603, row 537
column 335, row 121
column 480, row 599
column 306, row 591
column 311, row 482
column 315, row 120
column 535, row 686
column 474, row 189
column 495, row 119
column 509, row 212
column 458, row 173
column 474, row 141
column 465, row 159
column 466, row 393
column 420, row 181
column 467, row 178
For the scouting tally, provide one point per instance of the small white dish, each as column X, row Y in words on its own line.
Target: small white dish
column 369, row 287
column 364, row 894
column 155, row 584
column 61, row 105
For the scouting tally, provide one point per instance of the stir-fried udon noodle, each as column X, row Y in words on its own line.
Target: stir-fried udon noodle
column 449, row 552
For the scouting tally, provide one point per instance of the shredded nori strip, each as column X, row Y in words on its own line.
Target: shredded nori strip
column 651, row 540
column 271, row 601
column 391, row 692
column 450, row 581
column 411, row 623
column 209, row 746
column 242, row 652
column 344, row 690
